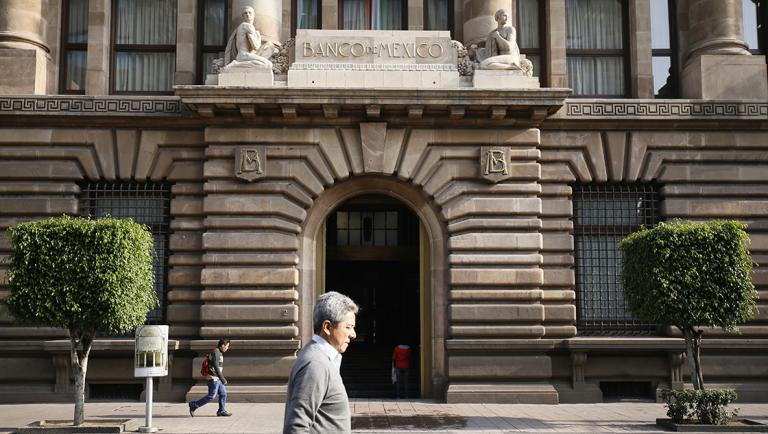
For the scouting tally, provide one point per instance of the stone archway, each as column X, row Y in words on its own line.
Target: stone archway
column 436, row 277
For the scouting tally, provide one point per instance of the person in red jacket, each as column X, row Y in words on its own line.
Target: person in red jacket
column 401, row 359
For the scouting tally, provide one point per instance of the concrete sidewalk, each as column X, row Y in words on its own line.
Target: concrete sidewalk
column 376, row 415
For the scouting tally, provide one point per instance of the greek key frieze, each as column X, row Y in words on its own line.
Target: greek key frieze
column 665, row 109
column 89, row 105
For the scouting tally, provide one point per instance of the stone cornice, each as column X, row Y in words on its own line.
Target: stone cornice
column 78, row 105
column 677, row 109
column 526, row 106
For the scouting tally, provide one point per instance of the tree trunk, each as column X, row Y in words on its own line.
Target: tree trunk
column 689, row 352
column 697, row 355
column 693, row 351
column 80, row 348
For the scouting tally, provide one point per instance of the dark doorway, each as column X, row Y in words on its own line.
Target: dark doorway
column 373, row 257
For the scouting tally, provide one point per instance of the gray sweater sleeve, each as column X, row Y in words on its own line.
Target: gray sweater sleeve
column 310, row 384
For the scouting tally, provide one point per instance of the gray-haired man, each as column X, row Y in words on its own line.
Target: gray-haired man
column 317, row 400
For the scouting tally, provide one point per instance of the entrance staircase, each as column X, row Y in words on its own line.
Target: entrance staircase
column 366, row 371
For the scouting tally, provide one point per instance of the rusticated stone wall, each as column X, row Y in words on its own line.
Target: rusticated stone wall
column 41, row 168
column 252, row 255
column 703, row 175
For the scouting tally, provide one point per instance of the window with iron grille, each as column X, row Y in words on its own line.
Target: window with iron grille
column 603, row 215
column 147, row 203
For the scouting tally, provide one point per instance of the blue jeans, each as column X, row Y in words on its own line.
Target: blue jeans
column 214, row 388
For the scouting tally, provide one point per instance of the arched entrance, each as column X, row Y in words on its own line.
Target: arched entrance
column 372, row 255
column 422, row 277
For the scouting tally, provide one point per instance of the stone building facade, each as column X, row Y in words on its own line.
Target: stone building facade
column 517, row 197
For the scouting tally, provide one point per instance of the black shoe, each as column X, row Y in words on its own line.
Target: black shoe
column 192, row 408
column 224, row 413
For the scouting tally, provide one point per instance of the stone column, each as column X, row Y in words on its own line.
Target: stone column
column 24, row 52
column 478, row 18
column 641, row 71
column 267, row 17
column 555, row 44
column 186, row 41
column 99, row 47
column 717, row 64
column 330, row 14
column 715, row 28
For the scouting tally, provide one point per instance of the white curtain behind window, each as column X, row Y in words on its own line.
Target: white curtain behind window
column 437, row 15
column 145, row 22
column 387, row 14
column 354, row 15
column 213, row 22
column 306, row 14
column 77, row 22
column 595, row 24
column 528, row 23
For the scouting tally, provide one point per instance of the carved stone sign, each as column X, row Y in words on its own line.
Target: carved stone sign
column 374, row 59
column 494, row 163
column 374, row 47
column 250, row 162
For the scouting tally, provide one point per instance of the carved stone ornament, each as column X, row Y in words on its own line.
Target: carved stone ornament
column 494, row 163
column 250, row 162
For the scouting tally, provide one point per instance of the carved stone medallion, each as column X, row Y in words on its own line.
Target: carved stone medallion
column 494, row 163
column 250, row 162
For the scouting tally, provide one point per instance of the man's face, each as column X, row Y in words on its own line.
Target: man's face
column 225, row 347
column 503, row 18
column 248, row 14
column 340, row 335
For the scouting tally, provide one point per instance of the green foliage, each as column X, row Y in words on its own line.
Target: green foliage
column 81, row 274
column 689, row 274
column 702, row 406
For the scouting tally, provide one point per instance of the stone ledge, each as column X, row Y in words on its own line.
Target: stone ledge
column 502, row 393
column 613, row 343
column 533, row 345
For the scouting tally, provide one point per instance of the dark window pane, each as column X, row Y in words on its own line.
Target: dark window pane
column 594, row 24
column 355, row 17
column 594, row 75
column 77, row 22
column 213, row 22
column 306, row 14
column 151, row 22
column 528, row 24
column 437, row 15
column 387, row 15
column 75, row 74
column 144, row 71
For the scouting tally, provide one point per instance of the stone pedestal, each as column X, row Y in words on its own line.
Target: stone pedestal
column 725, row 77
column 25, row 71
column 246, row 78
column 503, row 79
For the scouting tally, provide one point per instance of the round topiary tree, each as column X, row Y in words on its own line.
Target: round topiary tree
column 690, row 275
column 86, row 276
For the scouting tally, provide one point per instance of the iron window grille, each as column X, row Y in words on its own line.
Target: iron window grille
column 603, row 215
column 146, row 203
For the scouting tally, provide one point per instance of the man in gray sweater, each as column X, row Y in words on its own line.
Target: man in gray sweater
column 317, row 400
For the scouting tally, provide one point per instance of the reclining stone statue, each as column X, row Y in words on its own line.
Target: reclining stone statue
column 501, row 50
column 245, row 49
